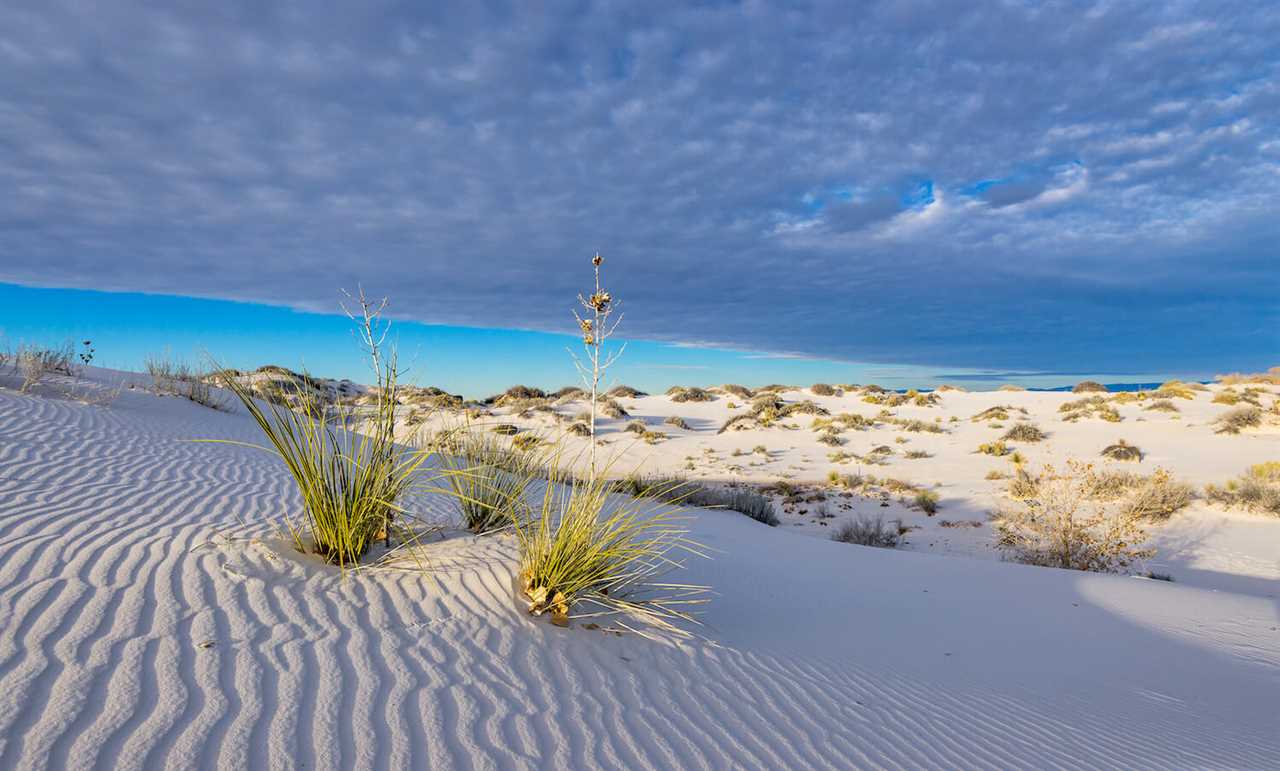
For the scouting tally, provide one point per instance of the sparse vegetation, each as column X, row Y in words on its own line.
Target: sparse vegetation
column 918, row 454
column 865, row 531
column 823, row 389
column 1089, row 386
column 1162, row 405
column 927, row 501
column 678, row 422
column 1258, row 489
column 585, row 553
column 34, row 363
column 1063, row 525
column 1237, row 420
column 690, row 394
column 997, row 448
column 1024, row 432
column 624, row 392
column 179, row 379
column 1122, row 450
column 488, row 480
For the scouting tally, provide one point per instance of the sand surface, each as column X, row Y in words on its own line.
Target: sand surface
column 150, row 618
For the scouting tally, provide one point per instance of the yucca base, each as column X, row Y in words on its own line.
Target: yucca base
column 535, row 601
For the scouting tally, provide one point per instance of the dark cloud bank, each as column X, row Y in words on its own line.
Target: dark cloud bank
column 1015, row 185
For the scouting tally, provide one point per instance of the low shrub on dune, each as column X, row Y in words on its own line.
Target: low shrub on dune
column 1122, row 450
column 823, row 389
column 1089, row 386
column 1258, row 489
column 1024, row 432
column 866, row 531
column 1237, row 420
column 690, row 394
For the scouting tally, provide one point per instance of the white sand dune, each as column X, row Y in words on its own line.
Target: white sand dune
column 146, row 623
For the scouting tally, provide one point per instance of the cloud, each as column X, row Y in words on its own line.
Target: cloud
column 1101, row 182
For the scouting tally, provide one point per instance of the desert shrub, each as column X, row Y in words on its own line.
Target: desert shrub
column 488, row 480
column 865, row 531
column 742, row 392
column 33, row 363
column 918, row 454
column 1270, row 377
column 653, row 437
column 1024, row 432
column 1161, row 405
column 915, row 426
column 1237, row 420
column 1228, row 396
column 822, row 389
column 1258, row 489
column 997, row 448
column 690, row 394
column 624, row 392
column 998, row 412
column 686, row 493
column 947, row 387
column 1089, row 386
column 1122, row 450
column 1157, row 497
column 995, row 474
column 1010, row 387
column 585, row 554
column 636, row 427
column 517, row 395
column 760, row 449
column 775, row 388
column 1089, row 407
column 179, row 379
column 611, row 409
column 678, row 422
column 525, row 442
column 927, row 500
column 1063, row 526
column 831, row 440
column 578, row 428
column 506, row 429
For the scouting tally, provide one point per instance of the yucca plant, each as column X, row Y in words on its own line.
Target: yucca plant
column 349, row 469
column 589, row 554
column 489, row 479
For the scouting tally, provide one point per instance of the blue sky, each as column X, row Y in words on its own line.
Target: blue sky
column 1017, row 186
column 128, row 328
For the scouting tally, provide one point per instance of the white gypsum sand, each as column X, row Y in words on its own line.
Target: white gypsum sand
column 150, row 617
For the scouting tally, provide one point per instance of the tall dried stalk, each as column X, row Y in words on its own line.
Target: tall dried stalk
column 597, row 327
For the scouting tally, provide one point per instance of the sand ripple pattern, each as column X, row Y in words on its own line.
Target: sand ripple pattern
column 135, row 634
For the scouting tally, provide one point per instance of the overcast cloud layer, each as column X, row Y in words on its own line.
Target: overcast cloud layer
column 1012, row 185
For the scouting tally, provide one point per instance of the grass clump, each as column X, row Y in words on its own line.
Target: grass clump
column 611, row 409
column 179, row 379
column 865, row 531
column 1089, row 386
column 624, row 392
column 1237, row 420
column 348, row 468
column 1122, row 450
column 506, row 429
column 997, row 448
column 488, row 480
column 1024, row 432
column 34, row 363
column 686, row 493
column 678, row 422
column 579, row 428
column 823, row 389
column 918, row 454
column 584, row 554
column 636, row 427
column 1162, row 405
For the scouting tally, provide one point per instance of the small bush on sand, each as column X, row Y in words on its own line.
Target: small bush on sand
column 34, row 363
column 1270, row 377
column 1122, row 450
column 612, row 409
column 178, row 379
column 686, row 493
column 525, row 442
column 1062, row 526
column 690, row 394
column 742, row 392
column 918, row 454
column 488, row 480
column 927, row 500
column 998, row 412
column 1157, row 497
column 865, row 531
column 586, row 554
column 678, row 422
column 636, row 427
column 579, row 428
column 831, row 440
column 624, row 392
column 1237, row 420
column 506, row 429
column 997, row 448
column 1161, row 405
column 1089, row 386
column 1024, row 432
column 822, row 389
column 1010, row 387
column 1258, row 489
